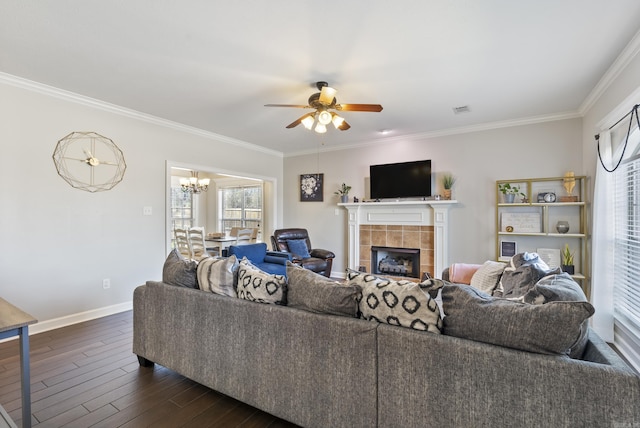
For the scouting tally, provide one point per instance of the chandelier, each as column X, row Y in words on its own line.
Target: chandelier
column 194, row 184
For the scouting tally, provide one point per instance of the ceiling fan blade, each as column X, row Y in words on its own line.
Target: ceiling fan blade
column 359, row 107
column 344, row 126
column 299, row 120
column 287, row 105
column 327, row 94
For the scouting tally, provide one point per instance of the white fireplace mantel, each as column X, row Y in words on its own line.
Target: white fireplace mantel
column 406, row 213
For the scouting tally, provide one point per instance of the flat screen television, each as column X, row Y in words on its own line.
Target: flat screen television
column 400, row 180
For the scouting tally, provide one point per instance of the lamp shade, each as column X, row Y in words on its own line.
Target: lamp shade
column 324, row 117
column 320, row 128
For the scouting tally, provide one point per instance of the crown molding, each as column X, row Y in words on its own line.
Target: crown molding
column 62, row 94
column 622, row 61
column 447, row 132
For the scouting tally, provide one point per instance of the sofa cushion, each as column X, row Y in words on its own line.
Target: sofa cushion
column 486, row 278
column 316, row 293
column 218, row 275
column 179, row 271
column 259, row 286
column 402, row 303
column 254, row 252
column 552, row 328
column 522, row 273
column 298, row 247
column 561, row 288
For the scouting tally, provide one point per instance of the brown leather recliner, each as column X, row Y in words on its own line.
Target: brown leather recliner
column 318, row 260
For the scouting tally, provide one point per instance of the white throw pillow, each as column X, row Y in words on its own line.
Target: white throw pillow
column 487, row 277
column 217, row 275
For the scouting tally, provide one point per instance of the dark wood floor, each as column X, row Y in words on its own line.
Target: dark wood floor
column 86, row 375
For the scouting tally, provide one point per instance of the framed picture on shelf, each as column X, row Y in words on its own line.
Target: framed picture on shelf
column 508, row 249
column 311, row 187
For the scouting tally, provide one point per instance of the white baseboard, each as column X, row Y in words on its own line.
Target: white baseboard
column 52, row 324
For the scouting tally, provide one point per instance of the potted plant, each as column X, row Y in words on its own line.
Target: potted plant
column 567, row 260
column 448, row 181
column 343, row 192
column 510, row 192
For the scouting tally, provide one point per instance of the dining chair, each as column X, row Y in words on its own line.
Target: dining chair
column 182, row 242
column 197, row 244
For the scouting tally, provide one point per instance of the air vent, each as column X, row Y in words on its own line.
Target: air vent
column 461, row 109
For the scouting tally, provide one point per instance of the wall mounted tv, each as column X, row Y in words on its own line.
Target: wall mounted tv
column 400, row 180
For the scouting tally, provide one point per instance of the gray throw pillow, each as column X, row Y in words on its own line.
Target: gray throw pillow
column 524, row 270
column 259, row 286
column 218, row 275
column 179, row 271
column 312, row 292
column 561, row 288
column 401, row 303
column 552, row 328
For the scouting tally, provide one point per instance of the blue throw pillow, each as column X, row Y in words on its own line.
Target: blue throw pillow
column 298, row 247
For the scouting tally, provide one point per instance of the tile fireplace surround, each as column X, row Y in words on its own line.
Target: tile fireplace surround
column 404, row 224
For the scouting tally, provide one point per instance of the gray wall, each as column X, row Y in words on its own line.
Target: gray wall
column 58, row 243
column 477, row 159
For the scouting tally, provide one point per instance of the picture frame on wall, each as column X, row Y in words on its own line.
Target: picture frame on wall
column 311, row 187
column 508, row 249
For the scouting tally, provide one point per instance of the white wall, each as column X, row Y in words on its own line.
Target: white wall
column 477, row 159
column 58, row 243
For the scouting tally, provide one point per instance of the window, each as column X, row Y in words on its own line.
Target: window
column 626, row 273
column 181, row 208
column 240, row 206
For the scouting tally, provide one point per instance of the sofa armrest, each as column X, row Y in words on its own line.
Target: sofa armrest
column 277, row 257
column 321, row 254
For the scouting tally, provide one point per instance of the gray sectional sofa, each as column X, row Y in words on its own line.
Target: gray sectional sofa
column 319, row 370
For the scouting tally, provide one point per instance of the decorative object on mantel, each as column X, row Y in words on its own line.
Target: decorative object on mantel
column 567, row 260
column 343, row 192
column 510, row 192
column 569, row 183
column 311, row 187
column 562, row 226
column 448, row 181
column 89, row 161
column 194, row 184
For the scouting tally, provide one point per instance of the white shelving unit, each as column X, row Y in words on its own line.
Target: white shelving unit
column 532, row 224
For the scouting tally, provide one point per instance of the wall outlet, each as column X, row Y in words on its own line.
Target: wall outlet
column 147, row 210
column 106, row 283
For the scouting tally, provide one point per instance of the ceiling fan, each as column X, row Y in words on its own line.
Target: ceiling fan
column 323, row 102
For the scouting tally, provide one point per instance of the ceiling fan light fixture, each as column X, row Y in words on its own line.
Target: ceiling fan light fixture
column 324, row 117
column 308, row 121
column 320, row 128
column 337, row 120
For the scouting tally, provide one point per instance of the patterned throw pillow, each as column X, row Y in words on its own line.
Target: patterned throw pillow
column 179, row 271
column 259, row 286
column 402, row 303
column 313, row 292
column 486, row 278
column 218, row 275
column 552, row 328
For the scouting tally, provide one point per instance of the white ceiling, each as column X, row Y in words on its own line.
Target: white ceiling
column 213, row 64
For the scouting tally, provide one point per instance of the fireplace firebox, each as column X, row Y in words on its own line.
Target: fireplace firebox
column 396, row 261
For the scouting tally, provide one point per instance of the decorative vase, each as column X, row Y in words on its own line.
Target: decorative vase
column 344, row 198
column 562, row 226
column 509, row 198
column 570, row 269
column 447, row 194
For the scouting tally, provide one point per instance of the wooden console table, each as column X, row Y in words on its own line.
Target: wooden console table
column 15, row 322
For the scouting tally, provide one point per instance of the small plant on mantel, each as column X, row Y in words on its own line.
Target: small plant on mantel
column 448, row 180
column 567, row 260
column 343, row 192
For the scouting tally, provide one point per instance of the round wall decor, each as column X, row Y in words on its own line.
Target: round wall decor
column 89, row 161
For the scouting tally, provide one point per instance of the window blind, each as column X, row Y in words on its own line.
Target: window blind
column 627, row 256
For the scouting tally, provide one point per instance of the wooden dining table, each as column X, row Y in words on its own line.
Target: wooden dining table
column 219, row 243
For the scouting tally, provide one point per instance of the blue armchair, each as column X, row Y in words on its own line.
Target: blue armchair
column 269, row 261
